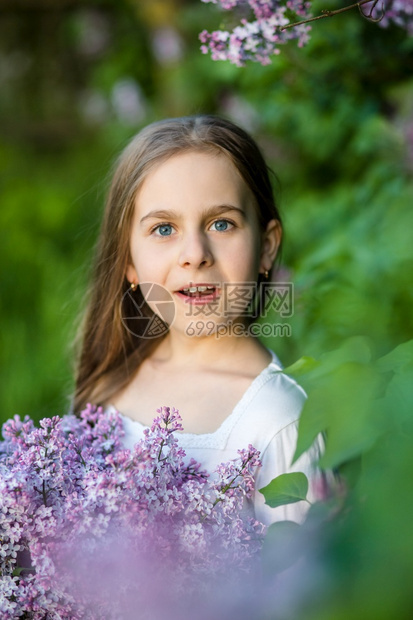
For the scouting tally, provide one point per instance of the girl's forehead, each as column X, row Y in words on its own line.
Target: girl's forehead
column 194, row 174
column 188, row 160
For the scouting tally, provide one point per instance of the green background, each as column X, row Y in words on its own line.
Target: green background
column 335, row 120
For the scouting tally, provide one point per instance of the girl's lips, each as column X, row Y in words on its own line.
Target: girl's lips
column 199, row 299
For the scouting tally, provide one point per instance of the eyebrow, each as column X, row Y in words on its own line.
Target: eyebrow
column 163, row 214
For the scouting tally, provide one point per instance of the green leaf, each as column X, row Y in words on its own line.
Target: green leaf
column 283, row 546
column 398, row 358
column 19, row 569
column 300, row 367
column 314, row 419
column 399, row 396
column 342, row 403
column 355, row 423
column 355, row 349
column 286, row 489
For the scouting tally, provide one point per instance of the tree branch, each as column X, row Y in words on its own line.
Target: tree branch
column 327, row 13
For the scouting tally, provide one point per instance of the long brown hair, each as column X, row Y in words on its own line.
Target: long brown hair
column 110, row 354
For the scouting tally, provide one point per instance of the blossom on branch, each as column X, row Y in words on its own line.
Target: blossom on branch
column 275, row 22
column 259, row 39
column 399, row 12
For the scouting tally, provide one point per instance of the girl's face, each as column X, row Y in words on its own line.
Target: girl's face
column 195, row 225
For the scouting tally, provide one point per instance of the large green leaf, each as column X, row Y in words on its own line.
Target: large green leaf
column 342, row 403
column 399, row 396
column 398, row 358
column 282, row 547
column 302, row 366
column 354, row 422
column 286, row 489
column 354, row 349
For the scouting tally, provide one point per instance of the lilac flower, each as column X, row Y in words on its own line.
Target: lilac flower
column 399, row 12
column 272, row 24
column 260, row 38
column 72, row 498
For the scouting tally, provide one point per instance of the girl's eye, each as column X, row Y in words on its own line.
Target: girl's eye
column 163, row 230
column 222, row 225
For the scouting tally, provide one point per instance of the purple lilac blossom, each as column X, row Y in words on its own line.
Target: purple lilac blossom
column 259, row 38
column 400, row 12
column 90, row 530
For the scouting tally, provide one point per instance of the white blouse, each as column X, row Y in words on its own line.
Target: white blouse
column 266, row 417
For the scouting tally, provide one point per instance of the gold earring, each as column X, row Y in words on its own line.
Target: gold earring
column 133, row 286
column 266, row 275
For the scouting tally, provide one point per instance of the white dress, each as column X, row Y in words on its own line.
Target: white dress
column 266, row 417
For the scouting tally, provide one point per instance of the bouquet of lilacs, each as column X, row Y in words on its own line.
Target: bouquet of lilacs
column 91, row 530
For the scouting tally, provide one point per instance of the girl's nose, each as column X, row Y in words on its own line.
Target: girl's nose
column 195, row 251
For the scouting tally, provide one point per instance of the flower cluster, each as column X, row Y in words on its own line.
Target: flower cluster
column 259, row 39
column 399, row 12
column 272, row 24
column 89, row 529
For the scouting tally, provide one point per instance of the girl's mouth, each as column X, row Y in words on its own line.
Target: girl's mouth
column 199, row 294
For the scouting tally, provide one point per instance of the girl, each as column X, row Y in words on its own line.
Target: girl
column 190, row 229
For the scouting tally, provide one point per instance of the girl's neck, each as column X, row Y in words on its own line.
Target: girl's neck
column 180, row 351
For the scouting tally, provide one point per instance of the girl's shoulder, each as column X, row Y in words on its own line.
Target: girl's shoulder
column 290, row 396
column 273, row 403
column 277, row 394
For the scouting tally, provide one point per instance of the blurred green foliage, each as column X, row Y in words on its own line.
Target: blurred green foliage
column 335, row 120
column 359, row 541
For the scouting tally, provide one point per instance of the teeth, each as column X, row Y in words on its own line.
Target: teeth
column 198, row 289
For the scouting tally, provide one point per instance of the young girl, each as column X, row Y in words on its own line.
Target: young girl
column 190, row 231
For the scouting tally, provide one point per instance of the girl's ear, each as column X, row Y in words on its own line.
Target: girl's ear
column 270, row 243
column 131, row 274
